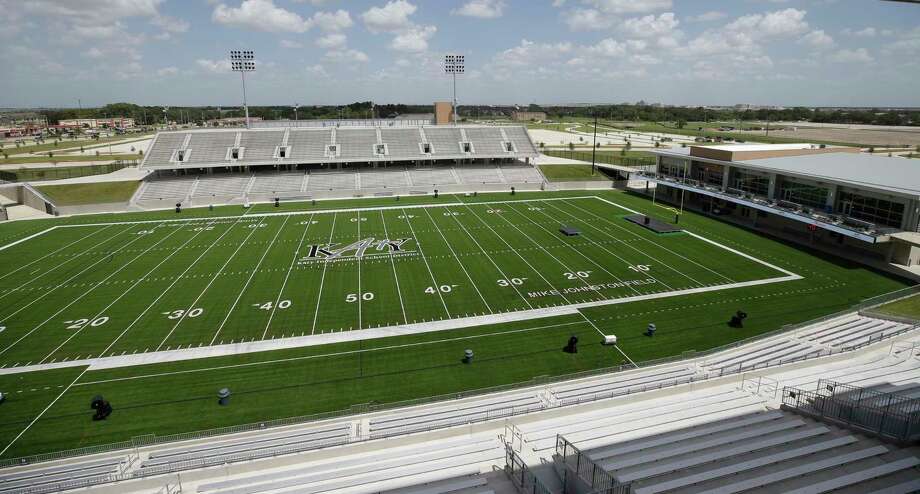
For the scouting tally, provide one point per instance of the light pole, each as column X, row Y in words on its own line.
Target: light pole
column 296, row 106
column 453, row 65
column 243, row 61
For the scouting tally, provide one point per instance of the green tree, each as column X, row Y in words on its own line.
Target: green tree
column 681, row 123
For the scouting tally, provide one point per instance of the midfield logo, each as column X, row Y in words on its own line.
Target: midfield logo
column 357, row 249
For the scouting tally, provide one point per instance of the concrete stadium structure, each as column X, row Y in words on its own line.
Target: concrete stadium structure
column 828, row 197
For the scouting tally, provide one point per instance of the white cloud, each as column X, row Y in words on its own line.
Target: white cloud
column 94, row 11
column 286, row 43
column 868, row 32
column 167, row 72
column 260, row 15
column 712, row 15
column 264, row 15
column 332, row 21
column 629, row 6
column 483, row 9
column 346, row 55
column 317, row 71
column 333, row 40
column 587, row 20
column 393, row 16
column 780, row 23
column 214, row 66
column 818, row 39
column 651, row 26
column 528, row 53
column 859, row 55
column 170, row 24
column 414, row 39
column 608, row 47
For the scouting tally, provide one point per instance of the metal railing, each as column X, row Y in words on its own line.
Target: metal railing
column 605, row 157
column 886, row 414
column 594, row 478
column 520, row 474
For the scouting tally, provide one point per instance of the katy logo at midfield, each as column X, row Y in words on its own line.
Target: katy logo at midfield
column 357, row 249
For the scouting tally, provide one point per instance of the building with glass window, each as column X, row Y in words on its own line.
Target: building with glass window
column 836, row 198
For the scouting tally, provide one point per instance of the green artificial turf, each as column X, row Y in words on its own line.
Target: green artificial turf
column 467, row 259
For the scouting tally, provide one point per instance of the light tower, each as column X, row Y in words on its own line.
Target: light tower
column 296, row 106
column 453, row 65
column 243, row 61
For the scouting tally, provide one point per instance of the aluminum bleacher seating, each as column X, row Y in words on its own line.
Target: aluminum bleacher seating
column 210, row 147
column 383, row 178
column 432, row 176
column 852, row 329
column 228, row 186
column 260, row 145
column 403, row 142
column 455, row 413
column 331, row 180
column 356, row 144
column 621, row 383
column 522, row 174
column 271, row 184
column 521, row 140
column 309, row 144
column 486, row 140
column 50, row 478
column 395, row 468
column 474, row 174
column 167, row 188
column 161, row 150
column 444, row 141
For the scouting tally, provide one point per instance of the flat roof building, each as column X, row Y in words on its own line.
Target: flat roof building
column 835, row 197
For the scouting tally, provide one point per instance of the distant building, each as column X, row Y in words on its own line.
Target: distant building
column 231, row 121
column 527, row 116
column 443, row 112
column 99, row 123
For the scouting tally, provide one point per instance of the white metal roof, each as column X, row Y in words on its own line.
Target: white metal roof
column 761, row 147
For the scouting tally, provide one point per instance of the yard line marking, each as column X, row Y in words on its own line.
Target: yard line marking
column 449, row 246
column 322, row 279
column 72, row 302
column 395, row 276
column 213, row 279
column 487, row 256
column 43, row 412
column 539, row 272
column 669, row 287
column 334, row 354
column 55, row 252
column 125, row 292
column 248, row 281
column 286, row 276
column 23, row 286
column 656, row 243
column 430, row 272
column 603, row 335
column 584, row 281
column 358, row 263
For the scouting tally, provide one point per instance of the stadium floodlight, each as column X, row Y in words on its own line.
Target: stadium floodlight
column 453, row 65
column 296, row 106
column 243, row 61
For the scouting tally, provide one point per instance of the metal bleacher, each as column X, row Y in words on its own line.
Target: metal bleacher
column 209, row 147
column 444, row 141
column 260, row 146
column 356, row 144
column 403, row 142
column 309, row 145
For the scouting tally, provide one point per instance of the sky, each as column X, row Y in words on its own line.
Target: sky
column 61, row 53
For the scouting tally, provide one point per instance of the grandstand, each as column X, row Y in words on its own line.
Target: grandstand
column 688, row 426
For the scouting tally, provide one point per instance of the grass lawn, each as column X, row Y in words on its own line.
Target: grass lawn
column 691, row 130
column 50, row 145
column 907, row 307
column 571, row 173
column 90, row 193
column 20, row 160
column 57, row 173
column 465, row 259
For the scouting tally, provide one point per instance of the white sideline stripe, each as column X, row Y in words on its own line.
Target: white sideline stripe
column 370, row 333
column 251, row 276
column 325, row 355
column 603, row 335
column 287, row 213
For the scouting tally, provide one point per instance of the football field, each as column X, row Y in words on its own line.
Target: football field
column 129, row 288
